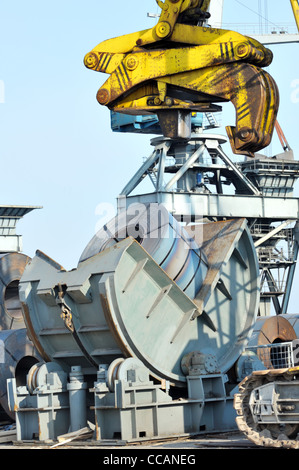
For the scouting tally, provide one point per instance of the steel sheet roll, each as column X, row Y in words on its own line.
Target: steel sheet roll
column 12, row 266
column 273, row 329
column 293, row 319
column 162, row 237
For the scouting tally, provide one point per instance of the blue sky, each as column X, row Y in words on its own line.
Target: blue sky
column 56, row 146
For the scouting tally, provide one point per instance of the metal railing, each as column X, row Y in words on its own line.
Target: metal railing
column 275, row 356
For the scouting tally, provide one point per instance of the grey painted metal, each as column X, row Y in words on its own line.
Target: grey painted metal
column 263, row 193
column 44, row 414
column 17, row 355
column 272, row 233
column 241, row 176
column 221, row 205
column 16, row 211
column 189, row 157
column 150, row 162
column 162, row 237
column 291, row 272
column 188, row 201
column 9, row 216
column 270, row 403
column 123, row 304
column 138, row 409
column 77, row 399
column 134, row 409
column 274, row 176
column 188, row 163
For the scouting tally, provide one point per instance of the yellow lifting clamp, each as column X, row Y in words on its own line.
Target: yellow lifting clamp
column 295, row 7
column 181, row 66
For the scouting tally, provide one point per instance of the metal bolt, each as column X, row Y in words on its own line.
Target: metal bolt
column 242, row 50
column 103, row 96
column 163, row 29
column 131, row 63
column 169, row 101
column 91, row 60
column 245, row 134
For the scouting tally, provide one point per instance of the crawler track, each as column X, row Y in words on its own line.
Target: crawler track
column 270, row 435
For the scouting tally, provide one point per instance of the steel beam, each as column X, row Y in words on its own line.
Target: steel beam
column 272, row 233
column 185, row 167
column 222, row 205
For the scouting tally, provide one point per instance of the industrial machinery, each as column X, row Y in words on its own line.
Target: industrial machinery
column 155, row 348
column 12, row 265
column 154, row 330
column 267, row 401
column 18, row 355
column 178, row 67
column 17, row 352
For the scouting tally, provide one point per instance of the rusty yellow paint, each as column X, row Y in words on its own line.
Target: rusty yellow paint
column 129, row 70
column 205, row 65
column 103, row 61
column 295, row 7
column 256, row 106
column 182, row 33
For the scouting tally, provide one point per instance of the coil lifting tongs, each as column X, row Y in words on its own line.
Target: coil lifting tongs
column 182, row 66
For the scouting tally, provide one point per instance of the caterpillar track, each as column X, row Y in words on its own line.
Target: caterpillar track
column 266, row 435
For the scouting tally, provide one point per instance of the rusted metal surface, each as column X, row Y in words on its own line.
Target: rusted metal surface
column 274, row 329
column 224, row 243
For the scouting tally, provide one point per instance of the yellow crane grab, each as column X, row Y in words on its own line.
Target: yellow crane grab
column 182, row 66
column 295, row 7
